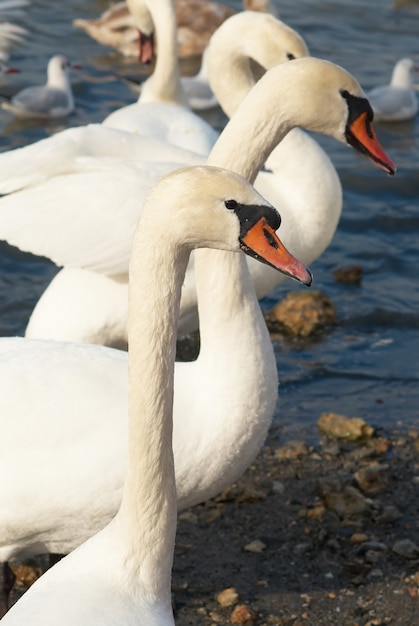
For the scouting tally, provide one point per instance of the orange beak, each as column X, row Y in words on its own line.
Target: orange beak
column 261, row 242
column 362, row 137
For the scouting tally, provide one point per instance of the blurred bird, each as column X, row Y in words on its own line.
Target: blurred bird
column 50, row 101
column 396, row 102
column 196, row 21
column 11, row 35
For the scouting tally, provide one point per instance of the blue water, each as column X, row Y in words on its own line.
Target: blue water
column 365, row 366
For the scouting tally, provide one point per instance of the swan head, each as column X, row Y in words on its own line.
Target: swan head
column 323, row 97
column 143, row 21
column 212, row 207
column 261, row 37
column 244, row 38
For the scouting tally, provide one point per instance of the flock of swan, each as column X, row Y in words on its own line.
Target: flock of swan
column 177, row 207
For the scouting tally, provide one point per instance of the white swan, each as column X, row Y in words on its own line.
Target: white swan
column 162, row 110
column 50, row 101
column 210, row 452
column 396, row 102
column 103, row 281
column 122, row 574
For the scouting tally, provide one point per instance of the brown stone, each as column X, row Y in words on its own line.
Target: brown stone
column 302, row 313
column 243, row 614
column 341, row 427
column 227, row 597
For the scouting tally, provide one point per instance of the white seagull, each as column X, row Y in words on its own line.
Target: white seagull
column 50, row 101
column 396, row 102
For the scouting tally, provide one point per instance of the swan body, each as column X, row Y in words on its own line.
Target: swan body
column 396, row 102
column 50, row 101
column 122, row 574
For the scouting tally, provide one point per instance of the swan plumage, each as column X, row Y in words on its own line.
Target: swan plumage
column 397, row 101
column 50, row 101
column 122, row 574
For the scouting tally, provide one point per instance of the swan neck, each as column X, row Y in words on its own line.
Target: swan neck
column 147, row 516
column 227, row 305
column 253, row 132
column 164, row 84
column 233, row 83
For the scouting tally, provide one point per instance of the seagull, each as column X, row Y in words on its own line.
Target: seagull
column 50, row 101
column 396, row 102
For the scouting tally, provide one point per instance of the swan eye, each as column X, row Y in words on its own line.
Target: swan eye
column 231, row 205
column 290, row 56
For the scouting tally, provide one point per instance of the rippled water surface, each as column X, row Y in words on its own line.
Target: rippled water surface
column 367, row 365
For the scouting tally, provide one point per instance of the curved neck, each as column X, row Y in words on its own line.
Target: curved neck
column 268, row 112
column 251, row 134
column 242, row 147
column 233, row 83
column 230, row 319
column 146, row 521
column 164, row 84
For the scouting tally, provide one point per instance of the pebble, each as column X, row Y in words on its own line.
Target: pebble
column 389, row 513
column 341, row 427
column 278, row 487
column 301, row 548
column 372, row 479
column 25, row 574
column 302, row 313
column 347, row 503
column 292, row 450
column 358, row 538
column 228, row 597
column 188, row 516
column 242, row 614
column 257, row 546
column 406, row 548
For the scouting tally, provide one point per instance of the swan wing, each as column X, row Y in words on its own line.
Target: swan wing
column 59, row 154
column 85, row 219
